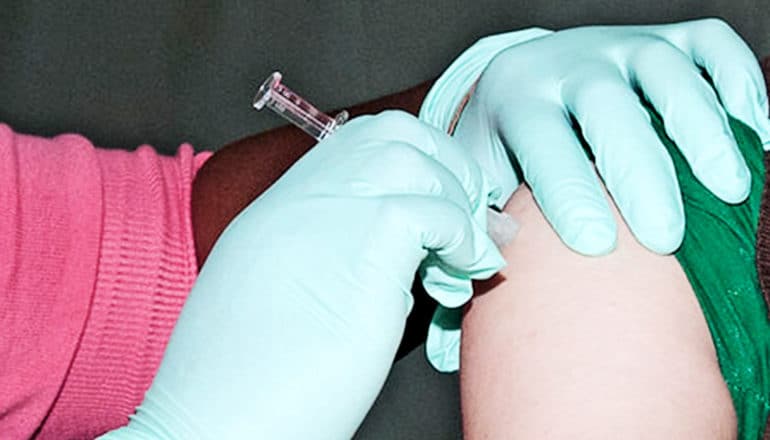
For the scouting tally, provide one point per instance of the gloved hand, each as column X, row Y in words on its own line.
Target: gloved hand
column 296, row 316
column 532, row 96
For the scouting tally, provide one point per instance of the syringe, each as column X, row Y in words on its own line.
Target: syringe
column 282, row 100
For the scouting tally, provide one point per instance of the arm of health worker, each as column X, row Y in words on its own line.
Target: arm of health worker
column 242, row 170
column 297, row 313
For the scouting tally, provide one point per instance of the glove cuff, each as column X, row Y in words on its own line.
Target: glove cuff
column 445, row 100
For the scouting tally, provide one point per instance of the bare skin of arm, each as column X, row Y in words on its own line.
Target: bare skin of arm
column 240, row 171
column 565, row 346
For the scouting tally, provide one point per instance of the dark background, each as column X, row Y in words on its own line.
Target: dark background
column 170, row 71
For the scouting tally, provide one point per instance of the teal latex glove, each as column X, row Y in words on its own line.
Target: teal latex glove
column 531, row 92
column 295, row 319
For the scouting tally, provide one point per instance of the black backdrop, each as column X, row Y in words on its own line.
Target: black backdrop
column 165, row 72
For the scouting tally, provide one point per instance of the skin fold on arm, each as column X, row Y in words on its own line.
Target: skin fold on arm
column 560, row 345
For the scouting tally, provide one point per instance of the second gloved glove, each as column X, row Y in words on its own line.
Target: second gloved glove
column 535, row 96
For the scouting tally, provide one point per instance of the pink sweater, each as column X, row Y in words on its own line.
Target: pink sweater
column 96, row 260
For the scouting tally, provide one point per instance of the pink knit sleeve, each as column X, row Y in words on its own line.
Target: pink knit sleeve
column 50, row 223
column 96, row 259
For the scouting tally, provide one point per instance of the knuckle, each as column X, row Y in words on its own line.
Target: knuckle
column 600, row 87
column 400, row 157
column 600, row 82
column 394, row 119
column 400, row 126
column 396, row 214
column 654, row 51
column 713, row 26
column 392, row 211
column 654, row 45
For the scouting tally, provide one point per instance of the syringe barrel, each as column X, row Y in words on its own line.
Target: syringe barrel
column 294, row 108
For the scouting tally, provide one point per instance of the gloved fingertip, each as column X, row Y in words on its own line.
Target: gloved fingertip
column 762, row 128
column 592, row 238
column 484, row 259
column 442, row 346
column 656, row 222
column 447, row 290
column 730, row 181
column 489, row 261
column 444, row 358
column 741, row 191
column 663, row 241
column 761, row 121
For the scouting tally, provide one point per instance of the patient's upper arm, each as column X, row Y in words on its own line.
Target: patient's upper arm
column 567, row 346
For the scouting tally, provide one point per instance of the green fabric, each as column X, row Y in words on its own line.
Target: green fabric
column 718, row 256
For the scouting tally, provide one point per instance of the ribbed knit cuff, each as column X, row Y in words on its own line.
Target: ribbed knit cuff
column 146, row 269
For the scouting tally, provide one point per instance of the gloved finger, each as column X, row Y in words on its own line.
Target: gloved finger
column 630, row 157
column 383, row 168
column 480, row 138
column 714, row 46
column 398, row 126
column 459, row 249
column 442, row 347
column 561, row 177
column 693, row 118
